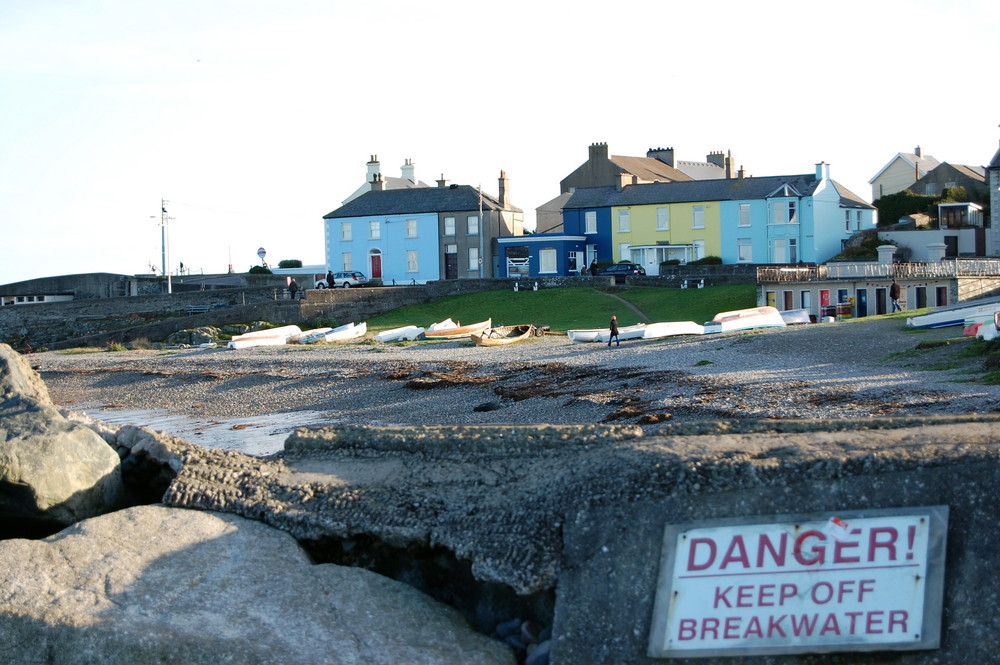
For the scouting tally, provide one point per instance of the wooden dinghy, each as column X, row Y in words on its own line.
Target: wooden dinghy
column 503, row 335
column 458, row 332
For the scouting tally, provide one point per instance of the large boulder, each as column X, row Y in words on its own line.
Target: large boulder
column 152, row 585
column 53, row 472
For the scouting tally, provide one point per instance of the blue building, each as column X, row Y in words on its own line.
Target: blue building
column 423, row 234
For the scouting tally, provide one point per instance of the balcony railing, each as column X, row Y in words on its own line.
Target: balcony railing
column 855, row 271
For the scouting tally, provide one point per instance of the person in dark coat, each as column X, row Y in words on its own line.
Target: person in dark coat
column 614, row 332
column 293, row 288
column 593, row 268
column 894, row 296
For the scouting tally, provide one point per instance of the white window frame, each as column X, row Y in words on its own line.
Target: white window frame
column 472, row 225
column 793, row 250
column 623, row 221
column 698, row 217
column 698, row 249
column 624, row 251
column 374, row 230
column 411, row 228
column 451, row 249
column 663, row 219
column 548, row 260
column 744, row 215
column 793, row 212
column 590, row 221
column 747, row 245
column 345, row 231
column 347, row 259
column 847, row 220
column 411, row 261
column 449, row 226
column 473, row 258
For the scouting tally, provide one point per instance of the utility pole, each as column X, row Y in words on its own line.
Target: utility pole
column 480, row 230
column 163, row 241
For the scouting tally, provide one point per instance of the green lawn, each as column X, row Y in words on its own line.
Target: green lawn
column 575, row 307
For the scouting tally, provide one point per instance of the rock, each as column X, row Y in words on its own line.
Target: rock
column 158, row 585
column 540, row 655
column 194, row 336
column 53, row 472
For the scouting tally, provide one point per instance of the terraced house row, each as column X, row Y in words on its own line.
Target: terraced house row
column 766, row 220
column 650, row 210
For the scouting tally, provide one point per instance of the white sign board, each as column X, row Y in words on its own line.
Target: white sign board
column 852, row 581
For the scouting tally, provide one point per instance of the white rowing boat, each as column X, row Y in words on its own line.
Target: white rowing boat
column 408, row 333
column 603, row 334
column 671, row 329
column 745, row 319
column 268, row 337
column 954, row 315
column 346, row 332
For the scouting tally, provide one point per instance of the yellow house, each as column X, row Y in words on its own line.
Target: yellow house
column 652, row 234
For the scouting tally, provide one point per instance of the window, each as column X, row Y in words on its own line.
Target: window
column 948, row 185
column 744, row 249
column 451, row 249
column 805, row 299
column 930, row 189
column 793, row 252
column 590, row 221
column 847, row 220
column 411, row 260
column 783, row 212
column 547, row 260
column 347, row 259
column 623, row 224
column 698, row 249
column 662, row 219
column 411, row 228
column 744, row 219
column 698, row 217
column 624, row 254
column 449, row 226
column 345, row 231
column 779, row 251
column 473, row 225
column 857, row 220
column 473, row 258
column 374, row 231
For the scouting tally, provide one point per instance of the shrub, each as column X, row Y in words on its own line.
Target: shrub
column 706, row 261
column 260, row 270
column 290, row 263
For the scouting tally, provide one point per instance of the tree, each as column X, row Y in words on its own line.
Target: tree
column 259, row 270
column 290, row 263
column 894, row 206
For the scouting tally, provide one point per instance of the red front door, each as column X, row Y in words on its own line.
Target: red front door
column 376, row 267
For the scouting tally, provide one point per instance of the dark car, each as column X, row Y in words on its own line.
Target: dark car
column 623, row 269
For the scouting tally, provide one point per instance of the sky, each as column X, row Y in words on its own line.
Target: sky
column 254, row 118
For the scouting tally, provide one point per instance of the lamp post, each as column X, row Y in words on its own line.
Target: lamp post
column 163, row 242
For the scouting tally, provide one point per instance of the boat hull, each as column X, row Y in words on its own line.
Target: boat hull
column 459, row 332
column 404, row 333
column 502, row 335
column 268, row 337
column 672, row 328
column 955, row 315
column 745, row 319
column 603, row 334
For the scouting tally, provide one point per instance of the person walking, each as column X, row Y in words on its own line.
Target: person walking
column 593, row 268
column 293, row 288
column 614, row 332
column 894, row 296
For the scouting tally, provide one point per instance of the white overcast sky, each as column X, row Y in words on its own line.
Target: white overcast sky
column 254, row 118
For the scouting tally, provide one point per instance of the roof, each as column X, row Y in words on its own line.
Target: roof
column 995, row 162
column 926, row 164
column 735, row 189
column 973, row 172
column 701, row 170
column 418, row 200
column 649, row 169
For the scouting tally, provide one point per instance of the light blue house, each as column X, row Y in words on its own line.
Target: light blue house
column 422, row 234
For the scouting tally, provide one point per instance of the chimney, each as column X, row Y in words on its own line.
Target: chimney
column 442, row 182
column 729, row 165
column 408, row 171
column 822, row 171
column 598, row 151
column 716, row 158
column 504, row 190
column 373, row 168
column 741, row 174
column 665, row 155
column 918, row 152
column 624, row 180
column 378, row 185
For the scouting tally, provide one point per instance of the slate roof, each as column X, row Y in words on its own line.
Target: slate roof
column 417, row 200
column 647, row 168
column 707, row 190
column 973, row 172
column 701, row 170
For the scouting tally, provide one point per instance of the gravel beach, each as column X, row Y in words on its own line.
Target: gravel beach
column 850, row 369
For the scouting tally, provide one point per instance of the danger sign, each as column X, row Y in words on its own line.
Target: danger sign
column 841, row 582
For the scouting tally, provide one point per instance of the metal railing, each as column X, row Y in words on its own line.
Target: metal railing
column 855, row 271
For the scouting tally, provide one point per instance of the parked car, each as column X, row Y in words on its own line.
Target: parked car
column 345, row 279
column 624, row 268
